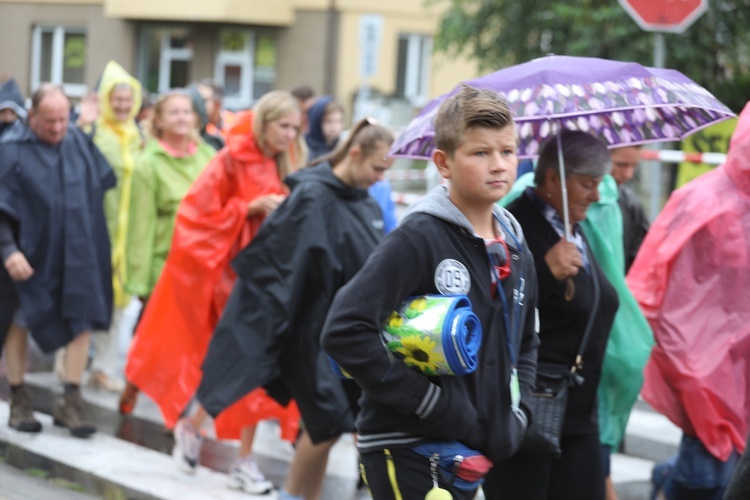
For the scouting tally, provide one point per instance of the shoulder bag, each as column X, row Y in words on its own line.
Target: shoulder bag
column 550, row 396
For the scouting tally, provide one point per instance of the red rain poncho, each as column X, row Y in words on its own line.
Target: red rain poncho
column 211, row 228
column 691, row 278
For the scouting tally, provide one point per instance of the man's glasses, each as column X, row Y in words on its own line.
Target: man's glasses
column 499, row 255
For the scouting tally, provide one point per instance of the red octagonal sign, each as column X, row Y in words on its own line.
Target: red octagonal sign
column 665, row 15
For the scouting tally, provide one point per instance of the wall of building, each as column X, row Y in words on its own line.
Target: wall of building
column 204, row 51
column 446, row 72
column 301, row 52
column 276, row 12
column 106, row 38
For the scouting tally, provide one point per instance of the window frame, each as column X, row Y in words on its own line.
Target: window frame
column 417, row 66
column 57, row 57
column 167, row 54
column 246, row 60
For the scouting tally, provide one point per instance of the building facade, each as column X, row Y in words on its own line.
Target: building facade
column 353, row 49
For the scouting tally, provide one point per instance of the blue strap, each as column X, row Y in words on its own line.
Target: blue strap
column 512, row 336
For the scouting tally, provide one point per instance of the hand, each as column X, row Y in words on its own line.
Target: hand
column 18, row 267
column 563, row 259
column 264, row 205
column 89, row 110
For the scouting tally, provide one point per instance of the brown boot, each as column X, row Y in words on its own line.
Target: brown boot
column 70, row 414
column 21, row 415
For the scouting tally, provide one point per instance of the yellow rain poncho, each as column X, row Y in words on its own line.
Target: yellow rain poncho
column 120, row 142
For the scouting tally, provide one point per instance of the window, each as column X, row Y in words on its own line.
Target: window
column 413, row 68
column 265, row 65
column 58, row 55
column 245, row 66
column 164, row 58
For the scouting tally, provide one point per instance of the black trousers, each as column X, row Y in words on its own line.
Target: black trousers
column 391, row 474
column 577, row 475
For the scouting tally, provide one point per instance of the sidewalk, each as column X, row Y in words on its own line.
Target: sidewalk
column 26, row 485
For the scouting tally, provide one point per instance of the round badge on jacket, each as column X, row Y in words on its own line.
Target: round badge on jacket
column 452, row 278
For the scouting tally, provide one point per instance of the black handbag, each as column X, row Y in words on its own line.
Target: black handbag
column 550, row 396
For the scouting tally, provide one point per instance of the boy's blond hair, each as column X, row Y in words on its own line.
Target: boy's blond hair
column 469, row 108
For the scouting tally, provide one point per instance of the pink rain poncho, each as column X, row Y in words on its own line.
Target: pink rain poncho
column 692, row 279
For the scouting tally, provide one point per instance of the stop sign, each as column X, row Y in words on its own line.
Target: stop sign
column 665, row 15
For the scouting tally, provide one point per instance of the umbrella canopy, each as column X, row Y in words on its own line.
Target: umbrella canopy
column 623, row 103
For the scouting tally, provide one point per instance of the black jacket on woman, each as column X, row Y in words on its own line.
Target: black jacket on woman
column 269, row 333
column 562, row 322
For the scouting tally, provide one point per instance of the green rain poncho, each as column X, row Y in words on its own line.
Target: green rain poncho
column 631, row 338
column 159, row 184
column 120, row 143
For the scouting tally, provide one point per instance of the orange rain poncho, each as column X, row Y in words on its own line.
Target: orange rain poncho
column 211, row 228
column 691, row 279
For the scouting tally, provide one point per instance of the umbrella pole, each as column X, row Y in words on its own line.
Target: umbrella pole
column 563, row 185
column 570, row 288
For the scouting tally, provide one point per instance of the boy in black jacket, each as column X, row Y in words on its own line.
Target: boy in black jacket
column 455, row 241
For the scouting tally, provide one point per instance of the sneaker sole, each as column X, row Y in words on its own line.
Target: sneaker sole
column 182, row 464
column 238, row 485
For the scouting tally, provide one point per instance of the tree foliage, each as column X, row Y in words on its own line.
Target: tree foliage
column 714, row 51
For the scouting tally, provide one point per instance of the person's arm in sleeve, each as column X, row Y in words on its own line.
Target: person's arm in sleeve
column 102, row 169
column 7, row 241
column 139, row 254
column 211, row 216
column 352, row 338
column 640, row 228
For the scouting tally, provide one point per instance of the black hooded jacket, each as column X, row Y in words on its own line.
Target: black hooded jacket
column 269, row 334
column 435, row 250
column 11, row 98
column 316, row 141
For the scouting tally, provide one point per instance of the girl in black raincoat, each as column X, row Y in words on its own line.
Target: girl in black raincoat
column 269, row 334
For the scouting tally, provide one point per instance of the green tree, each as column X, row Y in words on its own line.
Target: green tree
column 715, row 50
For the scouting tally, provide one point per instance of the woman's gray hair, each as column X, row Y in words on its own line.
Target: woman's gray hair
column 583, row 154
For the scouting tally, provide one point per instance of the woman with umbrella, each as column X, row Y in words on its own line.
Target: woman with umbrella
column 569, row 279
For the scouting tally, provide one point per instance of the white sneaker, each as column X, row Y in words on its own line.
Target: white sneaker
column 245, row 475
column 187, row 445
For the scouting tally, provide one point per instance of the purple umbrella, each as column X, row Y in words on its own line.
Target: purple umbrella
column 622, row 103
